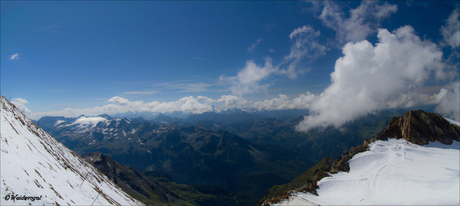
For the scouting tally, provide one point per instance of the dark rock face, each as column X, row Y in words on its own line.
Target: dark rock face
column 341, row 163
column 420, row 127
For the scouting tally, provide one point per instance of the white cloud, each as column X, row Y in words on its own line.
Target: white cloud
column 451, row 31
column 369, row 78
column 273, row 104
column 283, row 102
column 449, row 101
column 384, row 11
column 189, row 104
column 361, row 22
column 119, row 100
column 411, row 99
column 185, row 104
column 305, row 47
column 14, row 56
column 119, row 104
column 20, row 103
column 303, row 101
column 253, row 46
column 303, row 30
column 232, row 101
column 249, row 79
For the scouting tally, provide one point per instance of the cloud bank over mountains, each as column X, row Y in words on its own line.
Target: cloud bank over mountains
column 368, row 77
column 190, row 104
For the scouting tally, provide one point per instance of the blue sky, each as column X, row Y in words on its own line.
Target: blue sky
column 70, row 58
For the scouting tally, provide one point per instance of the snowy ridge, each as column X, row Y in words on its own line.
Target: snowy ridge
column 36, row 166
column 392, row 172
column 84, row 122
column 87, row 128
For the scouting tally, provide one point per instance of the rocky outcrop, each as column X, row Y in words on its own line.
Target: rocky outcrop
column 420, row 127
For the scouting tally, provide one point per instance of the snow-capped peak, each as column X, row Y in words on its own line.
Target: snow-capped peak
column 85, row 122
column 37, row 169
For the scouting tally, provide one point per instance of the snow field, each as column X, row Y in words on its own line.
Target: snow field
column 393, row 172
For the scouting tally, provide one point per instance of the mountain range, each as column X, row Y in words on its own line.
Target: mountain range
column 245, row 156
column 229, row 163
column 192, row 155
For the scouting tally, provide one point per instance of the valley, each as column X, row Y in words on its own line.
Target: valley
column 242, row 156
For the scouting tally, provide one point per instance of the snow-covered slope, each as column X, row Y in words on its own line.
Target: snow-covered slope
column 393, row 172
column 37, row 169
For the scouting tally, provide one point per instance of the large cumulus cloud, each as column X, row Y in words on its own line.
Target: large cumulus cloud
column 369, row 78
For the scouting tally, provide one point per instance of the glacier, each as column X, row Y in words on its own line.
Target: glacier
column 36, row 169
column 393, row 172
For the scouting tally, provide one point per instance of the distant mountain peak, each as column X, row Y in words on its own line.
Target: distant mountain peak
column 105, row 116
column 420, row 127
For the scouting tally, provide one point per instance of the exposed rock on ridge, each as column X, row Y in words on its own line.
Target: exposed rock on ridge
column 420, row 127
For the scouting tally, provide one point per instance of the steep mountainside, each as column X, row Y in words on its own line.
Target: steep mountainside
column 156, row 188
column 133, row 182
column 37, row 169
column 301, row 182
